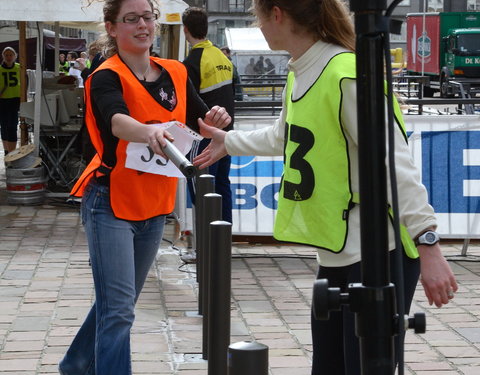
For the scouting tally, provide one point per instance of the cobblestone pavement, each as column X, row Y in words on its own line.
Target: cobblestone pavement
column 46, row 291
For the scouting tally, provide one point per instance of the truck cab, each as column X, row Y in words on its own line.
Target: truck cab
column 462, row 53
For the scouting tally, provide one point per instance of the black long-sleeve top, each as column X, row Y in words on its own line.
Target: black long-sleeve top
column 107, row 100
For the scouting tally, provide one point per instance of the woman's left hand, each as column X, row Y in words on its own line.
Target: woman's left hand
column 436, row 275
column 217, row 117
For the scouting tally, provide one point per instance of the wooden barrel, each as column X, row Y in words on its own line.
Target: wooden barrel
column 26, row 186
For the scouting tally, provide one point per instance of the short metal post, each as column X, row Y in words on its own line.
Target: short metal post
column 219, row 297
column 212, row 211
column 204, row 184
column 247, row 358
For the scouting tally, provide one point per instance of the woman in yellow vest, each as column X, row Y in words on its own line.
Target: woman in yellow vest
column 317, row 134
column 9, row 98
column 123, row 209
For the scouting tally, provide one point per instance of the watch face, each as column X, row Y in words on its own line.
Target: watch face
column 430, row 237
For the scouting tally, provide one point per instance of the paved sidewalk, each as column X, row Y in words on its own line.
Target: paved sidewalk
column 46, row 290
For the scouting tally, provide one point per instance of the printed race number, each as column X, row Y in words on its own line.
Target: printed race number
column 10, row 79
column 304, row 189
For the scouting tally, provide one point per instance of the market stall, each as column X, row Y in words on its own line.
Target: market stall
column 72, row 13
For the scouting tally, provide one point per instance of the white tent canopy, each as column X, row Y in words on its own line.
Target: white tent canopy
column 171, row 11
column 246, row 39
column 77, row 11
column 50, row 10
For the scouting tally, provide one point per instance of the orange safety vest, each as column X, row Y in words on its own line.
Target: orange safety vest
column 135, row 195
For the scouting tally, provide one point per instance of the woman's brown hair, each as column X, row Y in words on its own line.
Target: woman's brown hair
column 328, row 20
column 111, row 10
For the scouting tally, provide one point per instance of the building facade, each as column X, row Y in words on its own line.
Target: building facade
column 223, row 14
column 235, row 13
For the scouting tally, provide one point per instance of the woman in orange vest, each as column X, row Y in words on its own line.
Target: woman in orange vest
column 123, row 210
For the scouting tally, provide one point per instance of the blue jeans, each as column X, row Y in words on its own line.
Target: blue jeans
column 121, row 253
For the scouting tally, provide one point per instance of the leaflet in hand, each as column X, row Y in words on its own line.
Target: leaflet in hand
column 141, row 157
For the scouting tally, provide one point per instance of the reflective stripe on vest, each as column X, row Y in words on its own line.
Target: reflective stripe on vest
column 213, row 74
column 136, row 195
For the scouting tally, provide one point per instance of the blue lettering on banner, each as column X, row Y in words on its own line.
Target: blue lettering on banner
column 250, row 174
column 267, row 196
column 248, row 178
column 444, row 172
column 243, row 196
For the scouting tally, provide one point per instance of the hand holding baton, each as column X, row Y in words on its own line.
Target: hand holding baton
column 180, row 161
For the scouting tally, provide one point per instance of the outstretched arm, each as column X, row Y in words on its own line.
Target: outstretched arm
column 215, row 150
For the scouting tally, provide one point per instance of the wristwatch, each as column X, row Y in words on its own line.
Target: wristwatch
column 428, row 238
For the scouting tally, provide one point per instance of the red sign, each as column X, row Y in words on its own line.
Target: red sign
column 423, row 44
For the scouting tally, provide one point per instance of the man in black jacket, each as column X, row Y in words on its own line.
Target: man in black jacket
column 211, row 72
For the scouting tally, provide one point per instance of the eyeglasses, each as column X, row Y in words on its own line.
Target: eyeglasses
column 134, row 18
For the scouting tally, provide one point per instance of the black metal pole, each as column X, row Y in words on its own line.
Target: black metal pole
column 212, row 211
column 219, row 297
column 374, row 300
column 204, row 184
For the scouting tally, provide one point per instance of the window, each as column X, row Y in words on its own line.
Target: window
column 469, row 44
column 236, row 5
column 473, row 4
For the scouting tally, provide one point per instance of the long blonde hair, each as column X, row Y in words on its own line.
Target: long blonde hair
column 327, row 20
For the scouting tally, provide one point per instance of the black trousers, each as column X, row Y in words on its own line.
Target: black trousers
column 336, row 349
column 9, row 118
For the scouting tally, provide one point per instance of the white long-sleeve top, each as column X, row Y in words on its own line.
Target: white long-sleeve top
column 415, row 212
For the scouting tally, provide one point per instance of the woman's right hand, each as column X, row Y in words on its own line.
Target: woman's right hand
column 216, row 148
column 156, row 139
column 130, row 130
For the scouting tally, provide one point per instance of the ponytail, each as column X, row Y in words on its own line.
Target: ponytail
column 335, row 24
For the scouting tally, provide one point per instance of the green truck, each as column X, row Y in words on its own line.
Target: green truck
column 445, row 47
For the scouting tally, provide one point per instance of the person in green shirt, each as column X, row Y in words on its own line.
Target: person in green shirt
column 9, row 98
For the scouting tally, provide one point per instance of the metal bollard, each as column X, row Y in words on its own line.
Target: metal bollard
column 247, row 357
column 212, row 203
column 204, row 184
column 219, row 296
